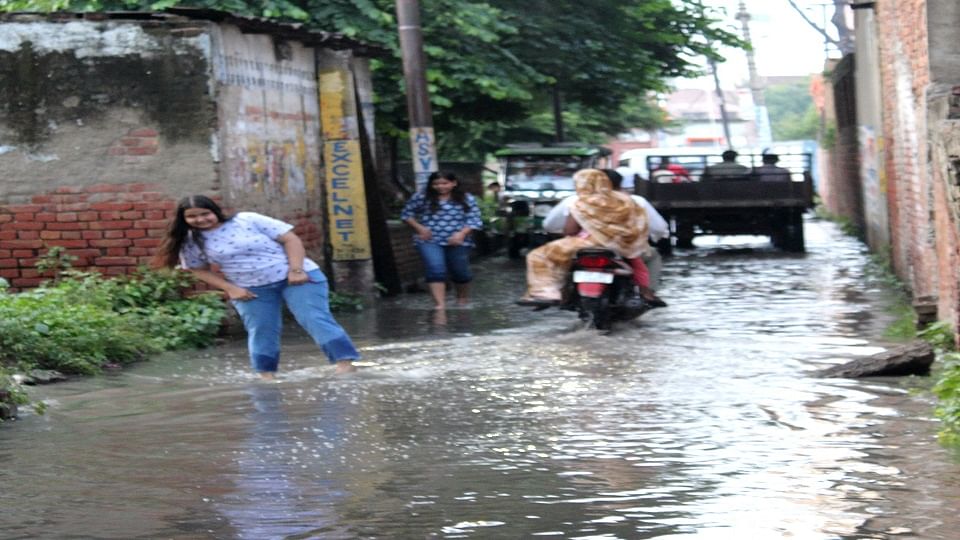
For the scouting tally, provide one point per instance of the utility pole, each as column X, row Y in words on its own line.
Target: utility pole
column 723, row 104
column 756, row 87
column 423, row 146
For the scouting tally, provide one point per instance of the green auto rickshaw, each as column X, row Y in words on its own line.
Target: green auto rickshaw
column 535, row 177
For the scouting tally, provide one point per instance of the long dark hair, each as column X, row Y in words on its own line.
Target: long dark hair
column 457, row 195
column 178, row 231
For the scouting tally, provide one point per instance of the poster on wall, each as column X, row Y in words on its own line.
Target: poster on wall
column 269, row 116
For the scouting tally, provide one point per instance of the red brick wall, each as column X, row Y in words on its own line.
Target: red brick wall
column 405, row 254
column 904, row 70
column 110, row 227
column 923, row 217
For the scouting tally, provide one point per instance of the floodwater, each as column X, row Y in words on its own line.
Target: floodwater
column 700, row 420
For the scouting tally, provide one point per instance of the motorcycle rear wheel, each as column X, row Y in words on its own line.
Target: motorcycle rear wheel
column 597, row 311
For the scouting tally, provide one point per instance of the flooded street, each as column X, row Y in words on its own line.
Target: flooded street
column 699, row 420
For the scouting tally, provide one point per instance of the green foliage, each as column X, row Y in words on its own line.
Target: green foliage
column 84, row 321
column 55, row 260
column 847, row 226
column 904, row 327
column 340, row 302
column 947, row 390
column 939, row 335
column 792, row 113
column 492, row 66
column 829, row 139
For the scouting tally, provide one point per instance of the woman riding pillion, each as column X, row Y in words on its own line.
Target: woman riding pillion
column 600, row 217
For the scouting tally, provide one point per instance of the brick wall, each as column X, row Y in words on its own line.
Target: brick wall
column 408, row 261
column 923, row 139
column 113, row 227
column 904, row 72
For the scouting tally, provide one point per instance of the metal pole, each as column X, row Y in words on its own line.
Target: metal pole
column 422, row 141
column 762, row 120
column 723, row 104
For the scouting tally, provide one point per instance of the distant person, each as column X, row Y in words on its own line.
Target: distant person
column 260, row 264
column 630, row 178
column 728, row 169
column 670, row 173
column 493, row 192
column 770, row 172
column 443, row 216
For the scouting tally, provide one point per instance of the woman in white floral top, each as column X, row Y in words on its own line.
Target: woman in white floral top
column 261, row 265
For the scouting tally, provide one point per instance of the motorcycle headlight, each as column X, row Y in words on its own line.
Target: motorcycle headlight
column 541, row 210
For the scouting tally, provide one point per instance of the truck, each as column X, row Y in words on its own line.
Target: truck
column 742, row 204
column 535, row 177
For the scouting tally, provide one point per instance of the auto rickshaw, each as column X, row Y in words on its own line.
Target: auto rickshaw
column 536, row 177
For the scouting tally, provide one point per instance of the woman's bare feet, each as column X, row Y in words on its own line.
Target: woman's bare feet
column 344, row 366
column 267, row 375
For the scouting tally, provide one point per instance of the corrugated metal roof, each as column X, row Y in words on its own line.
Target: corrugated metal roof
column 285, row 30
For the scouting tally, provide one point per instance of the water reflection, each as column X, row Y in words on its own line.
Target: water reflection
column 271, row 485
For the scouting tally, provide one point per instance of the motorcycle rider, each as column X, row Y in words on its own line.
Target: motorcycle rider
column 600, row 217
column 658, row 228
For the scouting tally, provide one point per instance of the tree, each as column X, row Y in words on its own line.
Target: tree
column 792, row 113
column 845, row 35
column 493, row 66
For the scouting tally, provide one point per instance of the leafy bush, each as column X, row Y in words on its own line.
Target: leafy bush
column 83, row 321
column 947, row 390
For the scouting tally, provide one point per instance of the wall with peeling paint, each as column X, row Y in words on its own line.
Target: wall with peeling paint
column 72, row 94
column 106, row 122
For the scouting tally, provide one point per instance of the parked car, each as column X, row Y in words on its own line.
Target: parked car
column 536, row 177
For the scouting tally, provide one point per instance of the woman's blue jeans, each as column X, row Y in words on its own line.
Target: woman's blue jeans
column 263, row 319
column 443, row 262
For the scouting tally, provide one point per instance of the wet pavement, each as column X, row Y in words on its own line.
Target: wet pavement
column 700, row 420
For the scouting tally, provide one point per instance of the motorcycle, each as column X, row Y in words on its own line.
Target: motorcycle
column 601, row 289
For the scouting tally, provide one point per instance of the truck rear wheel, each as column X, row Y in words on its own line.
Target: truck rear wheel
column 685, row 235
column 792, row 239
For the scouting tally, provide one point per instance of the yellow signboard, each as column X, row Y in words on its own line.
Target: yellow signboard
column 346, row 200
column 332, row 95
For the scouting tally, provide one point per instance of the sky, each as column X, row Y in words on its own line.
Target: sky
column 784, row 44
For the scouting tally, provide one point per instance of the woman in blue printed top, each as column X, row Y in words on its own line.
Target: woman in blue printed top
column 443, row 217
column 261, row 265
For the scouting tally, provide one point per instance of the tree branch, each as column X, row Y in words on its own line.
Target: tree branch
column 822, row 31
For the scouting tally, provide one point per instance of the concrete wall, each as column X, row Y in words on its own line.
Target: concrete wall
column 870, row 132
column 102, row 126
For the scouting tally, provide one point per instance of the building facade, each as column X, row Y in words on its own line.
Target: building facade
column 107, row 121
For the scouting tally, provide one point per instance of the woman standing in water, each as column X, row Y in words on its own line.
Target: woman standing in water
column 261, row 265
column 443, row 216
